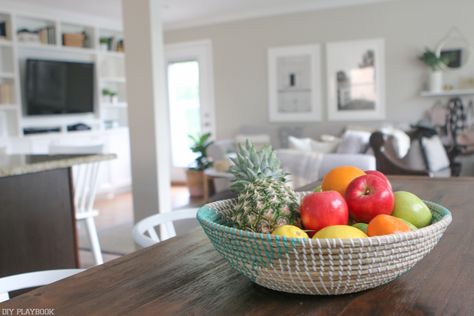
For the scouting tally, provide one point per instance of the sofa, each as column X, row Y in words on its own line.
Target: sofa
column 304, row 166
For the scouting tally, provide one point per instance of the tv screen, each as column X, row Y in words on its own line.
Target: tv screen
column 58, row 87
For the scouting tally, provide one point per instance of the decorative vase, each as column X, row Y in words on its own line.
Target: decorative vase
column 436, row 81
column 195, row 181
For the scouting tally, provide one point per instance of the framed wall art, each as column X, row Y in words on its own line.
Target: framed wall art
column 294, row 78
column 356, row 80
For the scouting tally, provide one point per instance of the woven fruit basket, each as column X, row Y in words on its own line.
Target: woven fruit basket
column 320, row 266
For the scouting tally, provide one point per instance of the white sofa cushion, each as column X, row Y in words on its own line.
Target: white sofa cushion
column 354, row 142
column 303, row 167
column 311, row 145
column 435, row 153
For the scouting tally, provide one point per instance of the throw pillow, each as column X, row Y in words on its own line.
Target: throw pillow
column 324, row 147
column 301, row 144
column 435, row 153
column 311, row 145
column 400, row 140
column 354, row 142
column 258, row 141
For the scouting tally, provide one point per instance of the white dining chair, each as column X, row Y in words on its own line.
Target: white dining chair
column 144, row 232
column 85, row 178
column 32, row 279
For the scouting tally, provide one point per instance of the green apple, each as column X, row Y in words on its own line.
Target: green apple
column 318, row 189
column 412, row 209
column 362, row 226
column 412, row 227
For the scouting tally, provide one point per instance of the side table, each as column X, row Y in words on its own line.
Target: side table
column 211, row 174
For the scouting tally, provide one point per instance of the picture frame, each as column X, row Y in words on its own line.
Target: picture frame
column 356, row 80
column 294, row 83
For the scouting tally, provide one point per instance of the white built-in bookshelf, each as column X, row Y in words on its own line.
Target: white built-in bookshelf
column 93, row 43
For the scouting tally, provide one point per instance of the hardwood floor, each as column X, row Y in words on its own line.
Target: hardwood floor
column 115, row 222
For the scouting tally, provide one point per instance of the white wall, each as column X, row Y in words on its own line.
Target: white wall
column 240, row 54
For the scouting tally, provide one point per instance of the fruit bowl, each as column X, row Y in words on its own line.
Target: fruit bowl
column 320, row 266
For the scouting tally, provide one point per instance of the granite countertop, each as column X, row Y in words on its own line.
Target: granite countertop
column 13, row 165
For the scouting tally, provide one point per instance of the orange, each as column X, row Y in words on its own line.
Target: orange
column 384, row 224
column 338, row 179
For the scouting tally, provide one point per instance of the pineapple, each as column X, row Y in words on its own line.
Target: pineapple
column 264, row 202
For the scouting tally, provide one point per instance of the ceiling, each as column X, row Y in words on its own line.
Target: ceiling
column 183, row 13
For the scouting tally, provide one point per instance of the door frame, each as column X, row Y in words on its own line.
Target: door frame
column 200, row 50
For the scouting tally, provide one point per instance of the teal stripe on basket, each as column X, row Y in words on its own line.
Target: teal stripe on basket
column 262, row 251
column 243, row 255
column 271, row 255
column 278, row 241
column 260, row 257
column 285, row 243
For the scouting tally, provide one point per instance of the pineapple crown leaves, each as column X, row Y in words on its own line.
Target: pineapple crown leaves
column 251, row 164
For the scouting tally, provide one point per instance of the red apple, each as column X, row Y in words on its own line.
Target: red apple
column 380, row 175
column 368, row 196
column 321, row 209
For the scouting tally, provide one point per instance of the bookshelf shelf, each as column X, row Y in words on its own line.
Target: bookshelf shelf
column 5, row 43
column 114, row 106
column 113, row 79
column 111, row 54
column 8, row 107
column 7, row 75
column 451, row 93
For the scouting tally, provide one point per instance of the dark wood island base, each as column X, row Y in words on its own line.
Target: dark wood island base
column 37, row 213
column 37, row 223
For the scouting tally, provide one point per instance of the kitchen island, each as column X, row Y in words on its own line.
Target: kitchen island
column 37, row 214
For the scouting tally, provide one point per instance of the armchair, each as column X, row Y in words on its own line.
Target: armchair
column 418, row 161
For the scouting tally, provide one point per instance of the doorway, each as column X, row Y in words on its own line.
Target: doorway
column 190, row 100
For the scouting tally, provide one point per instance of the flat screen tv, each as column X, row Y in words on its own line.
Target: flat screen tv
column 59, row 87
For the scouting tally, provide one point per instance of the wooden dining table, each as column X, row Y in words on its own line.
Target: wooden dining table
column 185, row 275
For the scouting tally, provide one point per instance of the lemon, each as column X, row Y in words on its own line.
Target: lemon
column 290, row 231
column 339, row 231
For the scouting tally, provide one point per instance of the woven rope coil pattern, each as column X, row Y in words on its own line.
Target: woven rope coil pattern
column 320, row 266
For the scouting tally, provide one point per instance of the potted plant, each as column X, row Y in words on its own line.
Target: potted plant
column 104, row 43
column 109, row 95
column 195, row 172
column 437, row 64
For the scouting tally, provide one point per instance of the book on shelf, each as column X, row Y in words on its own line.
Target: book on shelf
column 3, row 29
column 6, row 93
column 44, row 35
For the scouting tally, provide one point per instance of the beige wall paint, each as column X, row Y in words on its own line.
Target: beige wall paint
column 240, row 55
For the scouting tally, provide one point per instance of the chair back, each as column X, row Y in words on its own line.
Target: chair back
column 85, row 176
column 144, row 232
column 32, row 279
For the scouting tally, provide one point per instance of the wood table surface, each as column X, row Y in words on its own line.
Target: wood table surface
column 186, row 276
